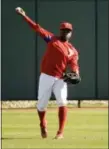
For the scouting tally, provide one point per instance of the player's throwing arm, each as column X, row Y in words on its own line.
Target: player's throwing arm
column 20, row 11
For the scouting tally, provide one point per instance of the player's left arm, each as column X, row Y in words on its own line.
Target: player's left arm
column 74, row 62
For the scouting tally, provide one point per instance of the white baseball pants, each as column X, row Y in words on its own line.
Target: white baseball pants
column 47, row 85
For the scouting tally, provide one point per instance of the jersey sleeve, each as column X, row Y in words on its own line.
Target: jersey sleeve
column 73, row 63
column 46, row 35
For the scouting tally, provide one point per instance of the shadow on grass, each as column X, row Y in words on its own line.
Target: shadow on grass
column 12, row 138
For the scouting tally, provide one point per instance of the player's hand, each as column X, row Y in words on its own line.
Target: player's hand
column 20, row 11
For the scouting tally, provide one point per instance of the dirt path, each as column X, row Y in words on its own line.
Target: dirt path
column 55, row 108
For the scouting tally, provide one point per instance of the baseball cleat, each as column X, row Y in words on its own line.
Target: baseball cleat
column 43, row 132
column 59, row 136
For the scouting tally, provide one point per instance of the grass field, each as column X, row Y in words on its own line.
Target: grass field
column 86, row 128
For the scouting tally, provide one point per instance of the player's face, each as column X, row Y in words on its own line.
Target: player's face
column 65, row 34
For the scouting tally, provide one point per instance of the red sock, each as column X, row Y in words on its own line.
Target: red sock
column 62, row 115
column 41, row 115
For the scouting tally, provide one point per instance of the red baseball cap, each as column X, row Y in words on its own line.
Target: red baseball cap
column 66, row 25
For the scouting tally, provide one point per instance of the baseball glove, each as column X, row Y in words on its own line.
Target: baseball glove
column 71, row 78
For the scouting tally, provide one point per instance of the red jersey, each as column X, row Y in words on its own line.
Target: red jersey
column 58, row 54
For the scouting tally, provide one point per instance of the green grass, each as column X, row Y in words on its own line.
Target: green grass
column 85, row 128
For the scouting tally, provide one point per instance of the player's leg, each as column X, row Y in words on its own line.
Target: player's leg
column 44, row 93
column 60, row 91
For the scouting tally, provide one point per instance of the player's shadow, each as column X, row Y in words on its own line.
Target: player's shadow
column 12, row 138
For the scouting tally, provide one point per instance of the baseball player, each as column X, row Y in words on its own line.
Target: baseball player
column 58, row 55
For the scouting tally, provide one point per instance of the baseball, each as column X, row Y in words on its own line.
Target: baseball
column 18, row 8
